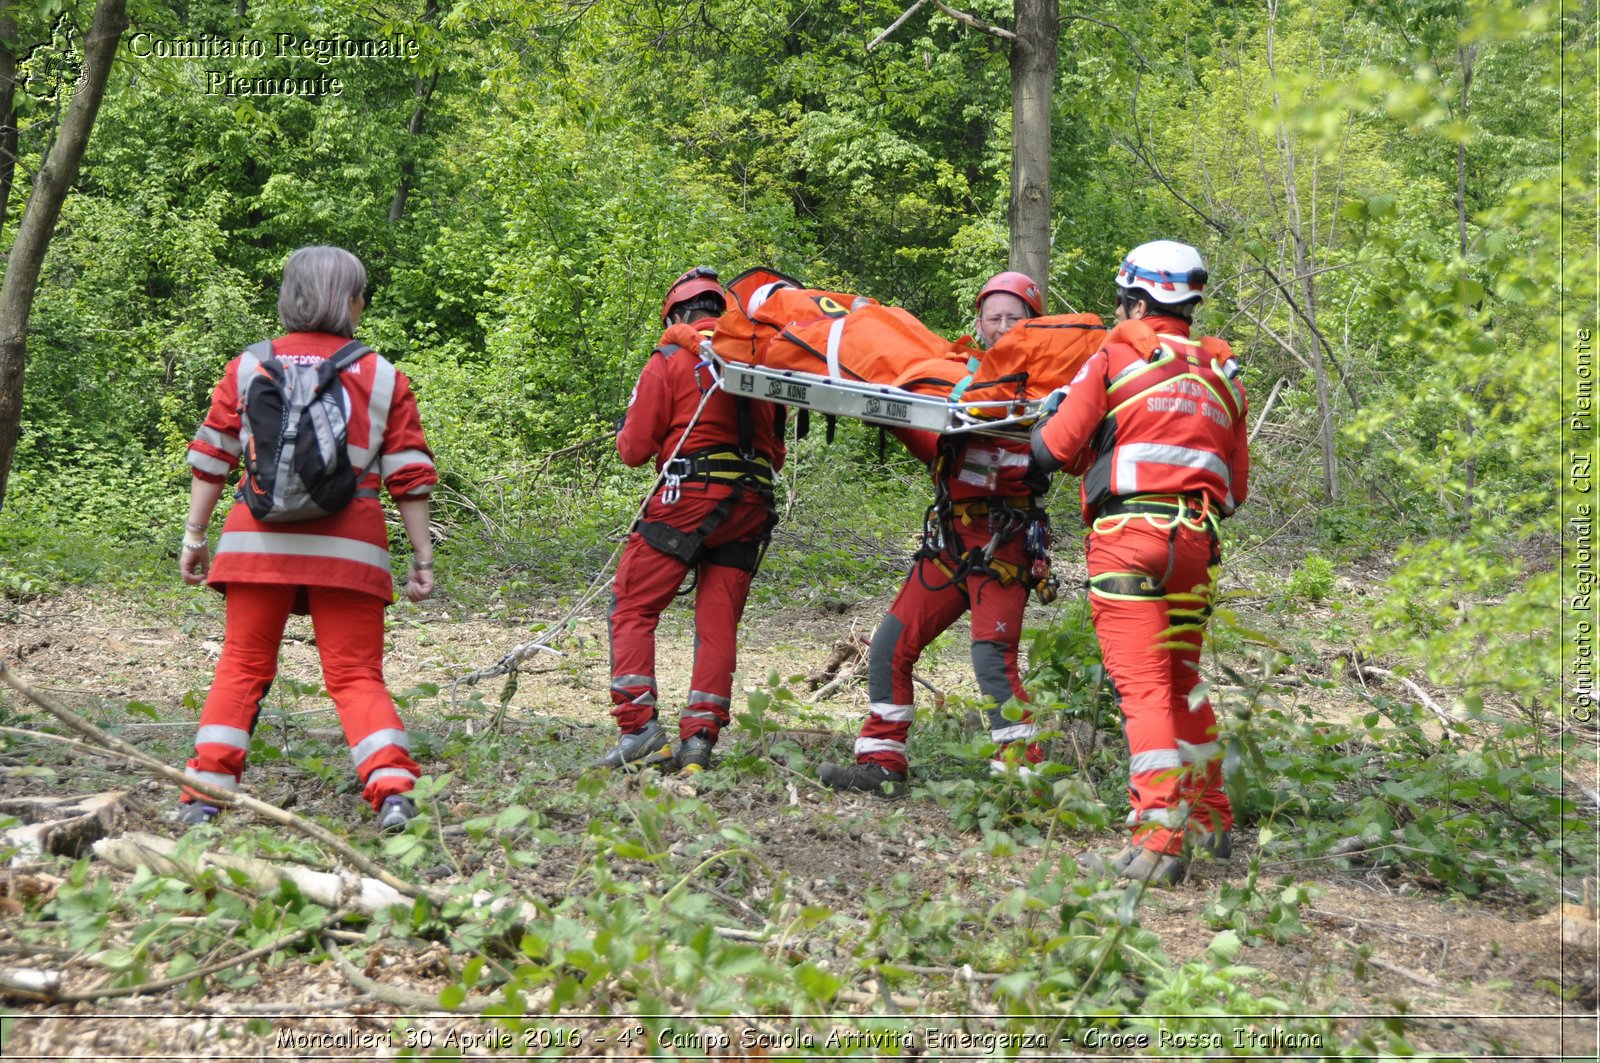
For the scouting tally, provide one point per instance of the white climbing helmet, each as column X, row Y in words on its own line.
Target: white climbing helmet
column 1171, row 272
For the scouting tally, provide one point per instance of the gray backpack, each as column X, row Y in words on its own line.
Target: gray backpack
column 296, row 442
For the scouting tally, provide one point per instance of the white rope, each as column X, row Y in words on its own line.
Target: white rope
column 602, row 580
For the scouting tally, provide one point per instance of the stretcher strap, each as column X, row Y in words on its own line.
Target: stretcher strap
column 835, row 334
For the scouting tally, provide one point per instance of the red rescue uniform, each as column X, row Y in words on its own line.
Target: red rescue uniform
column 334, row 567
column 1155, row 425
column 990, row 491
column 713, row 513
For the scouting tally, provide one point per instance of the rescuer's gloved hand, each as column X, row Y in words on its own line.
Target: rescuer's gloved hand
column 1052, row 401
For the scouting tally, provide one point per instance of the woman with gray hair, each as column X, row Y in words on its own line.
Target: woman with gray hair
column 318, row 421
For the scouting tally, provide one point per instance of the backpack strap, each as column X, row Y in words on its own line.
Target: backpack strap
column 342, row 359
column 327, row 373
column 251, row 357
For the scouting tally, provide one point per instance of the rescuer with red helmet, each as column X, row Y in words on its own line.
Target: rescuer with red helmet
column 712, row 513
column 979, row 543
column 1154, row 423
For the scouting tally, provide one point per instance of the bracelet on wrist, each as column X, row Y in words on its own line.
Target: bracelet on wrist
column 194, row 544
column 422, row 566
column 198, row 529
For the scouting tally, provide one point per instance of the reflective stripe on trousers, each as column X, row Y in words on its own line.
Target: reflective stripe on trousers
column 927, row 605
column 1150, row 643
column 349, row 634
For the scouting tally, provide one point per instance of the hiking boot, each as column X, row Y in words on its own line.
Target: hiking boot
column 194, row 813
column 638, row 750
column 1138, row 865
column 868, row 778
column 694, row 754
column 395, row 812
column 1216, row 844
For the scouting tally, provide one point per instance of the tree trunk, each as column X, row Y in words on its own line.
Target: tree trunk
column 408, row 164
column 55, row 177
column 1033, row 75
column 8, row 104
column 1307, row 276
column 1466, row 56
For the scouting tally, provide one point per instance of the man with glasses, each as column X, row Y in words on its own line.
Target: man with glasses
column 975, row 558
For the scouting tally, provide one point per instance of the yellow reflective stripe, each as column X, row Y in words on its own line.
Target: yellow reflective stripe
column 1138, row 369
column 1228, row 407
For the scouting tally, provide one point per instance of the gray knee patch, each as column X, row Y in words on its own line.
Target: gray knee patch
column 880, row 661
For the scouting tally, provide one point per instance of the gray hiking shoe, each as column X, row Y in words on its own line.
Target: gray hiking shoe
column 1138, row 865
column 694, row 754
column 194, row 813
column 868, row 778
column 395, row 812
column 638, row 750
column 1216, row 844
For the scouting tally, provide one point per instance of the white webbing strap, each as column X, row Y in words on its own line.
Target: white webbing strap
column 835, row 334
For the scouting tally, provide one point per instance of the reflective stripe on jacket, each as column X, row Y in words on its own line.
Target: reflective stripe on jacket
column 1170, row 424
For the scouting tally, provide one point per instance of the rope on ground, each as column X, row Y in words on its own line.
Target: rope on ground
column 523, row 651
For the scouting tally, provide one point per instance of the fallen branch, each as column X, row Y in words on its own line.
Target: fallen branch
column 331, row 889
column 1394, row 968
column 201, row 972
column 1422, row 695
column 414, row 1001
column 367, row 896
column 30, row 982
column 849, row 996
column 215, row 793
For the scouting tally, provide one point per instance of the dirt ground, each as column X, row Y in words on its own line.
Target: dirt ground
column 1473, row 980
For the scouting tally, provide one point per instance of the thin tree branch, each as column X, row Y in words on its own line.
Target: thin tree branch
column 216, row 793
column 975, row 22
column 896, row 24
column 1279, row 340
column 1110, row 26
column 1262, row 419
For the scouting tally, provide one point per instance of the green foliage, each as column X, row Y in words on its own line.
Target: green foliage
column 567, row 165
column 1312, row 580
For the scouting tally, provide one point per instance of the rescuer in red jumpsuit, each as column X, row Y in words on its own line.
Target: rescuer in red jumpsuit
column 975, row 557
column 712, row 513
column 1154, row 423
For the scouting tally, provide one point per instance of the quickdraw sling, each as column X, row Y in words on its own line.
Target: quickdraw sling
column 743, row 469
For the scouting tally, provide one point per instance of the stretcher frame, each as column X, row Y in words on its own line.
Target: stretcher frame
column 878, row 404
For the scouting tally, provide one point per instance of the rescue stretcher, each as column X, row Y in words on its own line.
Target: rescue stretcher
column 878, row 404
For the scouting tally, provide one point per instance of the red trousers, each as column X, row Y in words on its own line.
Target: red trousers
column 1150, row 638
column 646, row 581
column 927, row 604
column 349, row 631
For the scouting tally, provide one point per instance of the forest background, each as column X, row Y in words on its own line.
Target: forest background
column 1396, row 200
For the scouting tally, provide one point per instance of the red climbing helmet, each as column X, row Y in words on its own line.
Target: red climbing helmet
column 702, row 280
column 1018, row 284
